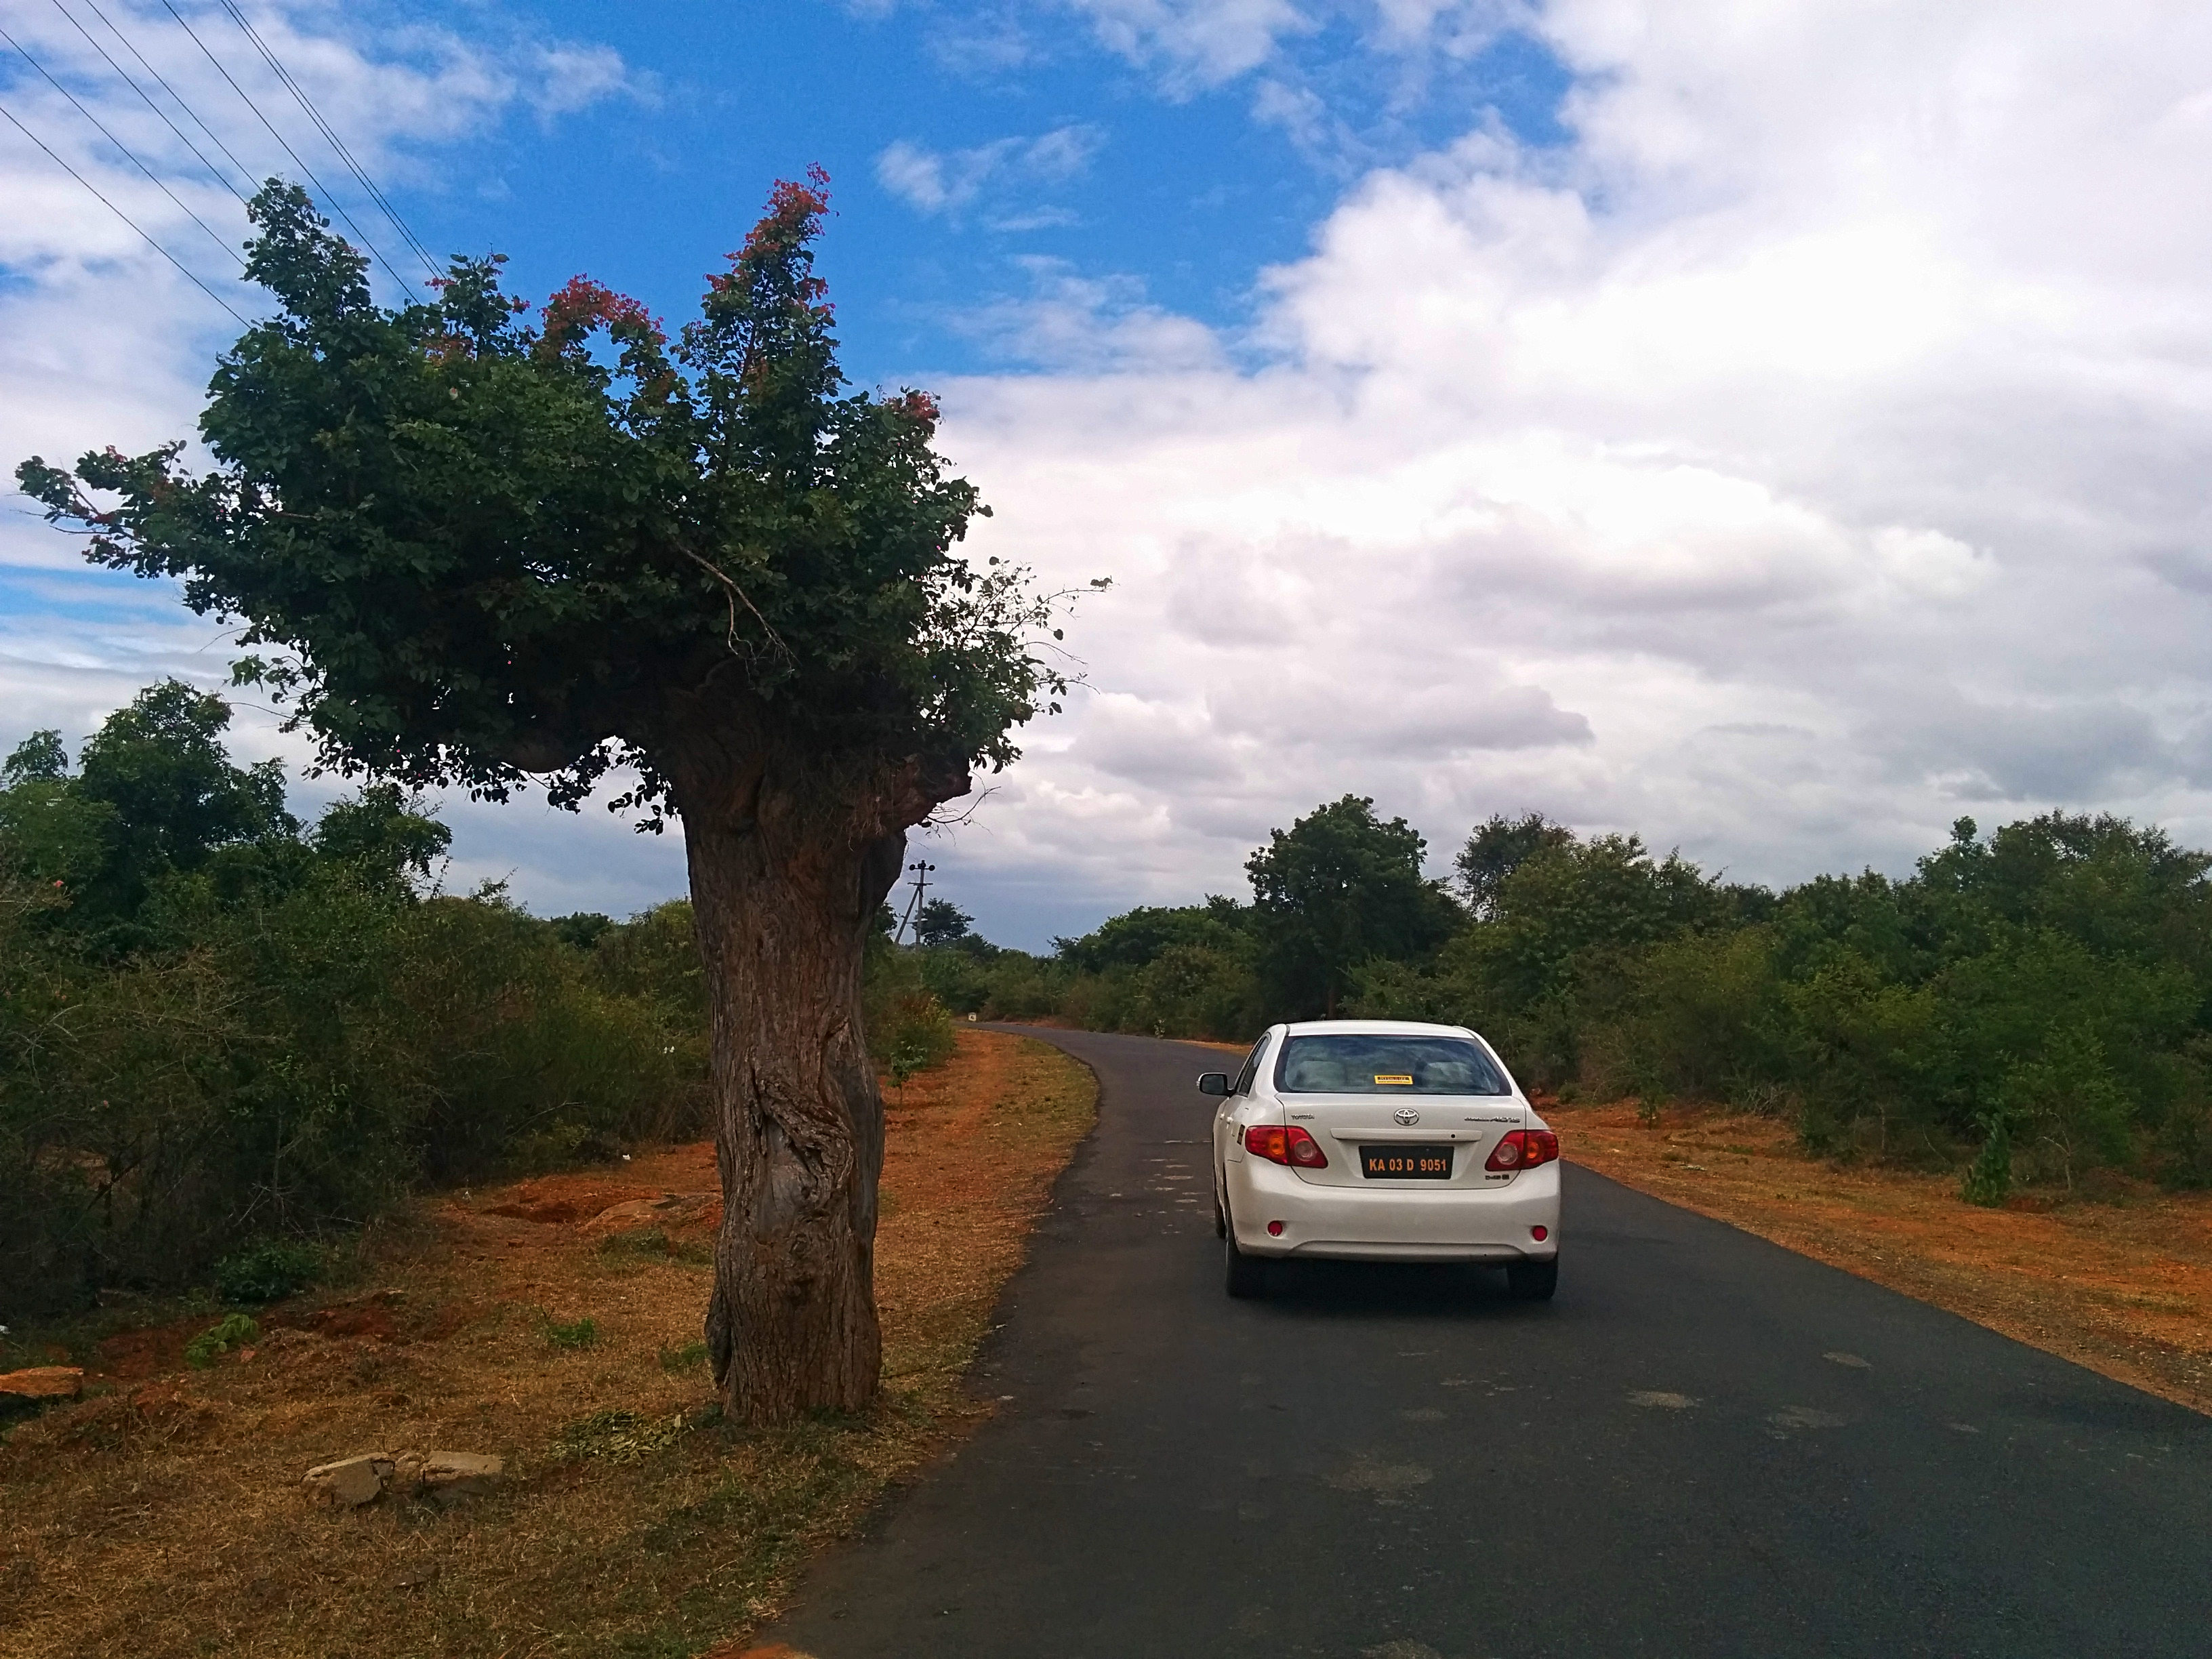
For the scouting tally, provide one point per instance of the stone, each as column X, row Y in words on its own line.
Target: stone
column 445, row 1477
column 351, row 1481
column 43, row 1383
column 449, row 1476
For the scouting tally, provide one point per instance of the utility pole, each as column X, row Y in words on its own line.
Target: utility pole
column 921, row 872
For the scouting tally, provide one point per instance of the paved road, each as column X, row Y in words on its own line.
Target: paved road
column 1705, row 1446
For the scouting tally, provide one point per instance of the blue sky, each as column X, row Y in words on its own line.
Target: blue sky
column 1774, row 430
column 1178, row 189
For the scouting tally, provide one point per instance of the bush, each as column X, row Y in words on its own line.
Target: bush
column 229, row 1026
column 1989, row 1178
column 268, row 1272
column 233, row 1331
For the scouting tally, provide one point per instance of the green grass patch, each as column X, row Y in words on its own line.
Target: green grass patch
column 684, row 1358
column 576, row 1333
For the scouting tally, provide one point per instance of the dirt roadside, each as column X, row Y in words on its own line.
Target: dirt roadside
column 556, row 1323
column 2121, row 1283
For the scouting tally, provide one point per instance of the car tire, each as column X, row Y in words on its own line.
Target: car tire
column 1533, row 1281
column 1243, row 1276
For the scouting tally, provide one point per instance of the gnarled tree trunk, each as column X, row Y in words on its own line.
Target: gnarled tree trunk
column 790, row 855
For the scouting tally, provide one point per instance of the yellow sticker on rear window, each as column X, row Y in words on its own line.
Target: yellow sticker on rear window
column 1398, row 1078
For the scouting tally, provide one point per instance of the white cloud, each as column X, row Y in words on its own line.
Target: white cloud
column 947, row 181
column 1195, row 44
column 1070, row 321
column 1809, row 452
column 1200, row 42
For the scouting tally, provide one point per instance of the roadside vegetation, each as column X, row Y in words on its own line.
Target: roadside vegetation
column 230, row 1039
column 2033, row 1006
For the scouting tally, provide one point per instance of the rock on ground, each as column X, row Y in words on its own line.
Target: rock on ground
column 43, row 1383
column 445, row 1477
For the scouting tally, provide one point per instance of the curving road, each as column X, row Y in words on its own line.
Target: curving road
column 1705, row 1446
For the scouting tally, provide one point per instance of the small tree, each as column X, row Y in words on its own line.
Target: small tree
column 488, row 552
column 1338, row 887
column 941, row 921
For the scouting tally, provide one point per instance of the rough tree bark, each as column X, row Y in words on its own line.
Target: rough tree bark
column 790, row 855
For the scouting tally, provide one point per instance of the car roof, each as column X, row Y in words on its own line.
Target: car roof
column 1372, row 1028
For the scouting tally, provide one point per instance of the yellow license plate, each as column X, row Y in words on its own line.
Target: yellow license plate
column 1406, row 1162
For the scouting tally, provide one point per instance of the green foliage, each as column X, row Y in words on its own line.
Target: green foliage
column 689, row 1357
column 1139, row 936
column 483, row 550
column 1498, row 848
column 204, row 1036
column 233, row 1331
column 582, row 1332
column 268, row 1272
column 1336, row 889
column 942, row 922
column 1988, row 1180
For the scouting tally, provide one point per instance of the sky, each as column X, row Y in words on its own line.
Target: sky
column 1775, row 430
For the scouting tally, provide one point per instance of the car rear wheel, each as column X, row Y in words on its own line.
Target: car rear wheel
column 1533, row 1281
column 1245, row 1275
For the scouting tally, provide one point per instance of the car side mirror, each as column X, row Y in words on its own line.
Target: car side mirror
column 1214, row 1082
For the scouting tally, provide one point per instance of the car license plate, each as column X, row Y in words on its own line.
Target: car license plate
column 1406, row 1162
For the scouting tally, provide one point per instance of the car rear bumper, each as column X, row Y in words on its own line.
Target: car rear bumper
column 1394, row 1222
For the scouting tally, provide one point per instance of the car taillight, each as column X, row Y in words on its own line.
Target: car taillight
column 1278, row 1145
column 1522, row 1149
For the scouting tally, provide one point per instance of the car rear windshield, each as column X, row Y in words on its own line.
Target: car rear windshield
column 1358, row 1064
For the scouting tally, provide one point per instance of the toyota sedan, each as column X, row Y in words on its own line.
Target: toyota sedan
column 1379, row 1141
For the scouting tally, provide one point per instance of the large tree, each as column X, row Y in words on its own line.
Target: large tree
column 476, row 552
column 1498, row 847
column 1338, row 888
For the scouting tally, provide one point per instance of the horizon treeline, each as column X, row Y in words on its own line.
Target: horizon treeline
column 2031, row 1005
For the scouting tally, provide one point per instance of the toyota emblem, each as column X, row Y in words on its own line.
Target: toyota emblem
column 1406, row 1116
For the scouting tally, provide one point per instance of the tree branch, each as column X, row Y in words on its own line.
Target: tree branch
column 735, row 594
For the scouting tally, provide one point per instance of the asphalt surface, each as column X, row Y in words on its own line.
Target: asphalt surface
column 1705, row 1445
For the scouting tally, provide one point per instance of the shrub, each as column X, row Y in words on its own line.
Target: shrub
column 1989, row 1178
column 268, row 1272
column 233, row 1331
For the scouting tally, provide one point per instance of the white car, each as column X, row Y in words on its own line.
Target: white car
column 1366, row 1140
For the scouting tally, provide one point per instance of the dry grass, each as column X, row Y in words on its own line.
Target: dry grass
column 161, row 1516
column 2119, row 1281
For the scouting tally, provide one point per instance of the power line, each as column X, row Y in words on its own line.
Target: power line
column 125, row 217
column 146, row 97
column 320, row 188
column 212, row 235
column 300, row 96
column 213, row 137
